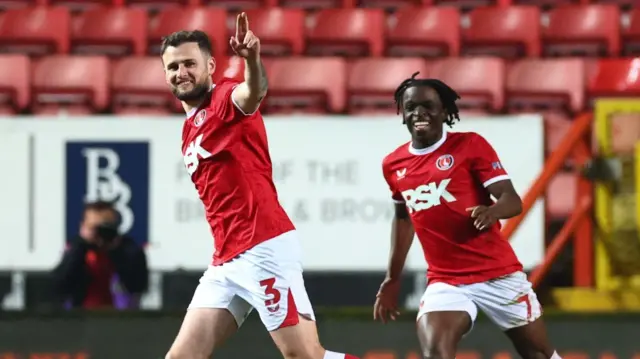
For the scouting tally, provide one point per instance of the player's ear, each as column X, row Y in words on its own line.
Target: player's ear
column 211, row 65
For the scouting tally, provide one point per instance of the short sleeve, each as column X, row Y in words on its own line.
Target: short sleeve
column 223, row 102
column 485, row 164
column 396, row 196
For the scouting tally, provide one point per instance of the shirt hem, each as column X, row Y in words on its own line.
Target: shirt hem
column 220, row 261
column 473, row 278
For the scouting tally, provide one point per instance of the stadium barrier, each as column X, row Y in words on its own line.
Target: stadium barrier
column 148, row 335
column 327, row 170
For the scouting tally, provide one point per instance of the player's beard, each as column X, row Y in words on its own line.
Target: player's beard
column 196, row 94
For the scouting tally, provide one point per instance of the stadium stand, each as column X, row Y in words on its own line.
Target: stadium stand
column 210, row 20
column 507, row 32
column 551, row 56
column 424, row 31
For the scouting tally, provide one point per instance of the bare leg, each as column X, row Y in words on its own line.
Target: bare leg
column 531, row 340
column 301, row 342
column 439, row 333
column 202, row 330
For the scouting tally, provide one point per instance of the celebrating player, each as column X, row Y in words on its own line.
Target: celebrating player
column 442, row 185
column 257, row 258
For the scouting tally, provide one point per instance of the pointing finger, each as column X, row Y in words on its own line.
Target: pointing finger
column 245, row 22
column 238, row 25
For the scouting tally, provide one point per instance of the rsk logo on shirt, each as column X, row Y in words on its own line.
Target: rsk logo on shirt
column 427, row 195
column 191, row 160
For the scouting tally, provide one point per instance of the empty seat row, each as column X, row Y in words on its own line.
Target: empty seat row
column 93, row 83
column 514, row 31
column 306, row 4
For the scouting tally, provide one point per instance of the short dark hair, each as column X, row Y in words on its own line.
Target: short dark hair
column 182, row 37
column 447, row 95
column 100, row 206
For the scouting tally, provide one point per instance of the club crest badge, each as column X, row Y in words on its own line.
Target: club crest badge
column 444, row 162
column 198, row 120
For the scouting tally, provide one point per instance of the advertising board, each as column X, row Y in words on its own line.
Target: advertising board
column 327, row 171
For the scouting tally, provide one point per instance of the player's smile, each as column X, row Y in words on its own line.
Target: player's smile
column 421, row 125
column 185, row 85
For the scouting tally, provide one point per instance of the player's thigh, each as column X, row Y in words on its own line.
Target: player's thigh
column 295, row 338
column 446, row 314
column 278, row 294
column 215, row 312
column 299, row 341
column 531, row 341
column 202, row 331
column 509, row 301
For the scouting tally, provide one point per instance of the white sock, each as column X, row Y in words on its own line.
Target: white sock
column 334, row 355
column 555, row 355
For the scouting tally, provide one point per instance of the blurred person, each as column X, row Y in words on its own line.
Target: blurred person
column 442, row 183
column 257, row 258
column 102, row 268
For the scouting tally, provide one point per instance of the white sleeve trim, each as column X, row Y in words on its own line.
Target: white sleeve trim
column 238, row 107
column 495, row 179
column 398, row 202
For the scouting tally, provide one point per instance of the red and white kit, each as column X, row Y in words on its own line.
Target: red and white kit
column 468, row 269
column 257, row 260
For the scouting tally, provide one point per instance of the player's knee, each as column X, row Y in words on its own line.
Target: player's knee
column 181, row 354
column 440, row 347
column 438, row 352
column 305, row 351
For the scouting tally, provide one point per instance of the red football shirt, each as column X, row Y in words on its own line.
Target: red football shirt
column 227, row 156
column 438, row 184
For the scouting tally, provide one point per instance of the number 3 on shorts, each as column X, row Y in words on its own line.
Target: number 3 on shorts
column 272, row 304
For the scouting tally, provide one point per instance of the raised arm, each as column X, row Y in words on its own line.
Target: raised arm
column 249, row 94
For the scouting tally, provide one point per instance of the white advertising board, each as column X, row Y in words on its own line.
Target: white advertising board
column 327, row 171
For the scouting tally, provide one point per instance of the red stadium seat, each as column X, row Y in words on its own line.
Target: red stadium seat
column 466, row 4
column 509, row 32
column 631, row 34
column 161, row 4
column 561, row 195
column 479, row 81
column 312, row 85
column 73, row 84
column 113, row 31
column 424, row 31
column 83, row 5
column 554, row 84
column 230, row 67
column 347, row 32
column 15, row 72
column 623, row 4
column 389, row 4
column 372, row 82
column 317, row 4
column 281, row 30
column 556, row 127
column 547, row 4
column 615, row 78
column 15, row 4
column 35, row 31
column 210, row 20
column 240, row 4
column 138, row 86
column 582, row 30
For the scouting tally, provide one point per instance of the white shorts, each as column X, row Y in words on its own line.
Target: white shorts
column 267, row 277
column 509, row 301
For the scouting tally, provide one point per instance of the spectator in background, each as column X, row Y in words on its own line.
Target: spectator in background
column 102, row 268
